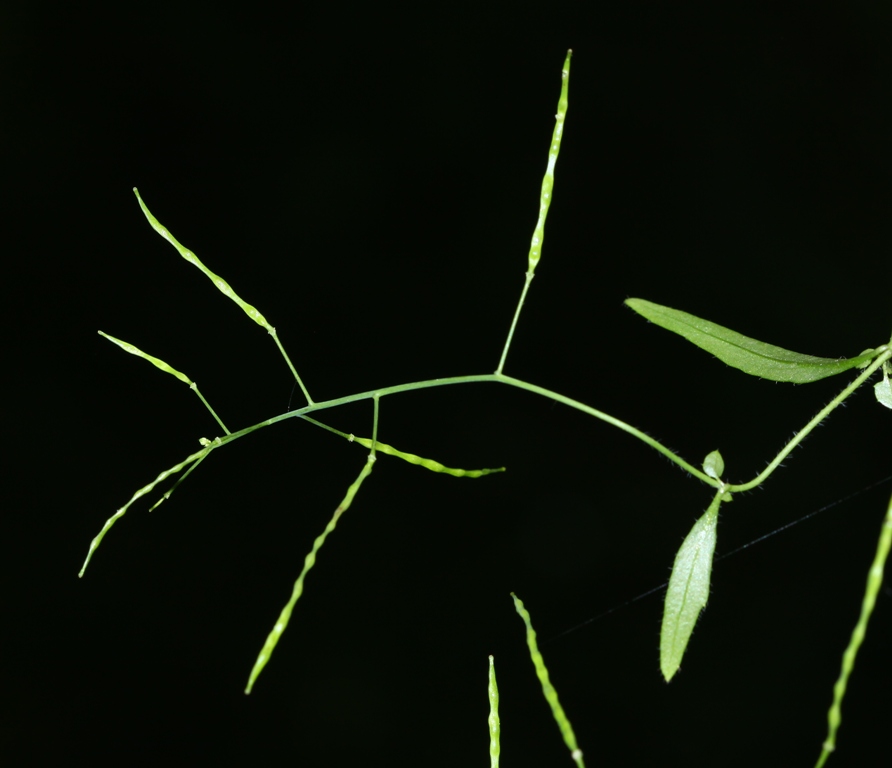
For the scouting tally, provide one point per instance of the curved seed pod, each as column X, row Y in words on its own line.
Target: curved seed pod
column 871, row 591
column 139, row 494
column 224, row 288
column 153, row 360
column 493, row 720
column 548, row 179
column 557, row 711
column 433, row 466
column 167, row 369
column 221, row 284
column 309, row 561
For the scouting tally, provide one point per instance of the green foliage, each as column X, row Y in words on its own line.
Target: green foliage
column 739, row 351
column 714, row 465
column 883, row 389
column 689, row 585
column 688, row 589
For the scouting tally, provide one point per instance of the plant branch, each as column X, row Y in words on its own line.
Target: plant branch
column 544, row 202
column 486, row 377
column 807, row 429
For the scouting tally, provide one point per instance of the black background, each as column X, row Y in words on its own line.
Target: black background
column 369, row 178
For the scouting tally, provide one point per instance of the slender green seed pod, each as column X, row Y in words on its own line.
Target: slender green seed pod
column 139, row 494
column 874, row 583
column 309, row 561
column 548, row 690
column 548, row 178
column 224, row 288
column 494, row 725
column 167, row 369
column 218, row 281
column 153, row 360
column 433, row 466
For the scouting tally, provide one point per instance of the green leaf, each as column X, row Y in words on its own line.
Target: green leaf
column 714, row 465
column 883, row 389
column 748, row 355
column 688, row 589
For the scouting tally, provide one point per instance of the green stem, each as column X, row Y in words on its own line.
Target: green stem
column 376, row 394
column 486, row 377
column 375, row 399
column 272, row 332
column 523, row 297
column 207, row 405
column 806, row 430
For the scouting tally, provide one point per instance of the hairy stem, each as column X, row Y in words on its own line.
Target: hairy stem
column 807, row 429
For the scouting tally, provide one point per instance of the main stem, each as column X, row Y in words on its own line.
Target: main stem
column 587, row 409
column 486, row 377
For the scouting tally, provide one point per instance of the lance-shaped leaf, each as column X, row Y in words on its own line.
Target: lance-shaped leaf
column 883, row 389
column 749, row 355
column 688, row 589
